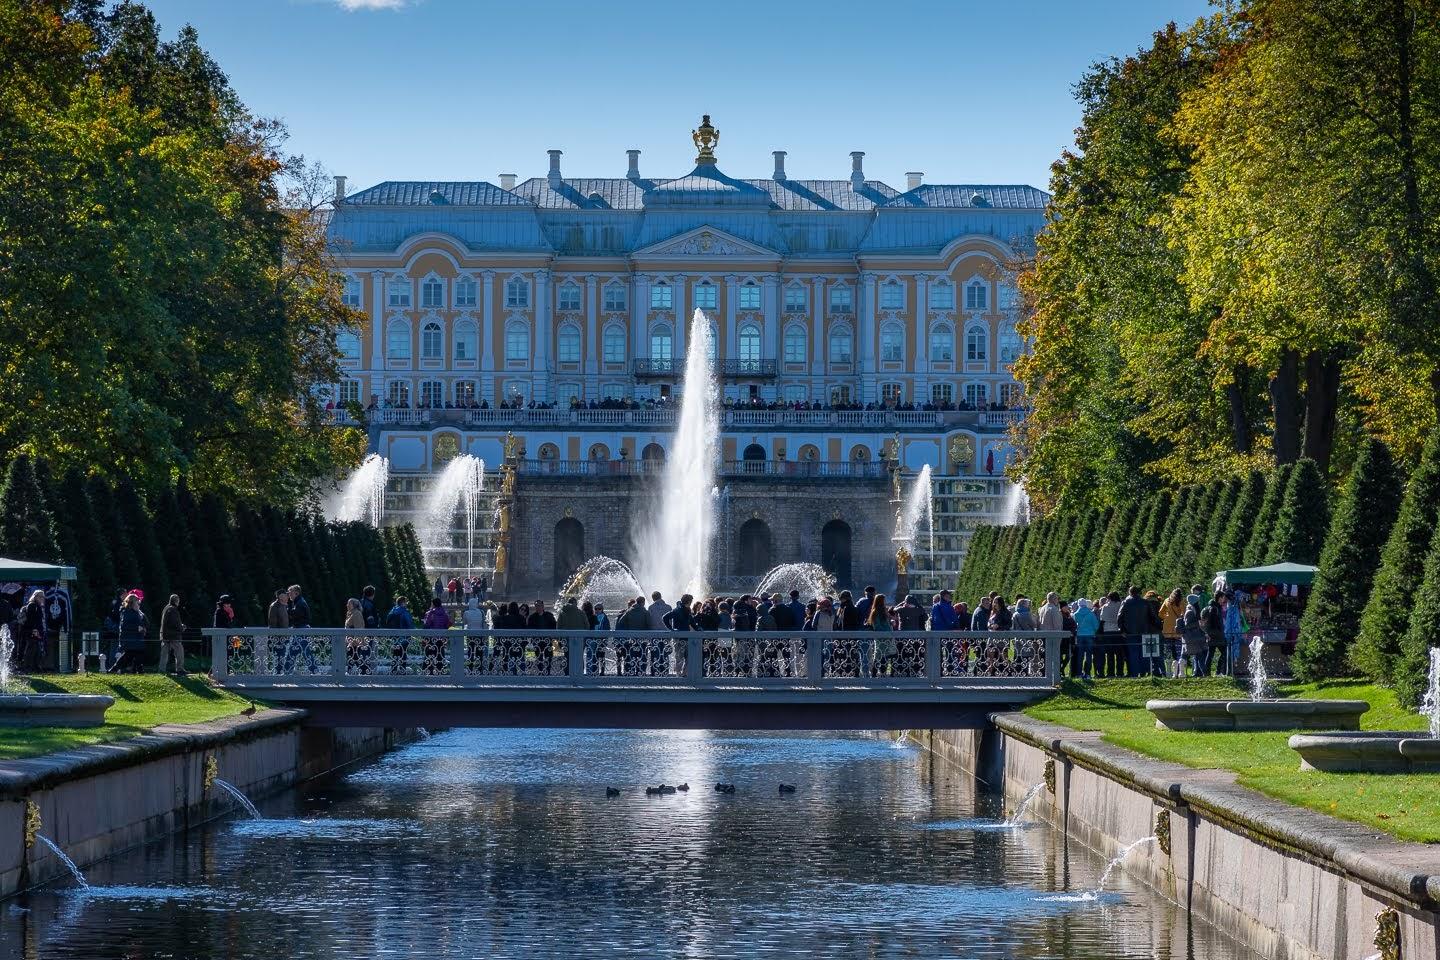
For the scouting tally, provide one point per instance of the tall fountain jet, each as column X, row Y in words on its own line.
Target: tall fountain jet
column 672, row 541
column 454, row 497
column 363, row 498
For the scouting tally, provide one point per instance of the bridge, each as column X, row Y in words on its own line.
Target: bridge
column 781, row 680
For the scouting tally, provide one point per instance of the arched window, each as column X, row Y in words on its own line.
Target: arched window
column 892, row 295
column 1011, row 344
column 892, row 394
column 795, row 343
column 615, row 343
column 1008, row 295
column 569, row 297
column 432, row 293
column 464, row 392
column 754, row 553
column 942, row 295
column 841, row 344
column 860, row 453
column 662, row 344
column 977, row 344
column 661, row 296
column 432, row 342
column 517, row 293
column 942, row 343
column 750, row 296
column 598, row 451
column 977, row 295
column 568, row 349
column 707, row 295
column 892, row 343
column 749, row 342
column 795, row 299
column 347, row 343
column 835, row 551
column 397, row 340
column 467, row 341
column 712, row 346
column 517, row 342
column 548, row 451
column 653, row 451
column 398, row 292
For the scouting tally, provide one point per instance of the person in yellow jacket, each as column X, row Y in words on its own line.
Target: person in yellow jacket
column 1171, row 613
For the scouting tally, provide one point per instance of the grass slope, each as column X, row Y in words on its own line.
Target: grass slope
column 1404, row 805
column 142, row 702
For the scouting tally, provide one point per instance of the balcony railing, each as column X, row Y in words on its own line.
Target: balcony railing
column 645, row 367
column 797, row 469
column 747, row 369
column 729, row 418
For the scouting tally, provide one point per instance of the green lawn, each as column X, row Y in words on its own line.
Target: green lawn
column 142, row 702
column 1405, row 805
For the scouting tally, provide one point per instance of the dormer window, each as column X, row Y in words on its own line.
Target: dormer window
column 398, row 292
column 569, row 296
column 750, row 296
column 977, row 295
column 892, row 295
column 941, row 296
column 707, row 296
column 661, row 296
column 517, row 293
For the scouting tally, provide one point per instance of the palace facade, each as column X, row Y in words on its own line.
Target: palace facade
column 560, row 309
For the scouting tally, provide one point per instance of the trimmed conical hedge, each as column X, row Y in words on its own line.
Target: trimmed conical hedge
column 1303, row 519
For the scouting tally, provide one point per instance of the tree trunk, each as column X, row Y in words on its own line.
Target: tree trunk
column 1322, row 401
column 1285, row 404
column 1240, row 438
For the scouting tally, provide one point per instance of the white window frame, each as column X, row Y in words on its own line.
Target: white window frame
column 347, row 392
column 398, row 387
column 941, row 295
column 662, row 296
column 432, row 392
column 348, row 336
column 707, row 295
column 1012, row 345
column 842, row 299
column 892, row 295
column 467, row 292
column 941, row 393
column 748, row 342
column 466, row 331
column 977, row 343
column 567, row 344
column 517, row 342
column 617, row 298
column 352, row 290
column 841, row 335
column 398, row 293
column 465, row 391
column 613, row 343
column 797, row 343
column 892, row 343
column 749, row 295
column 517, row 293
column 393, row 330
column 977, row 395
column 662, row 337
column 569, row 297
column 432, row 340
column 432, row 293
column 797, row 298
column 977, row 294
column 942, row 336
column 1011, row 395
column 892, row 391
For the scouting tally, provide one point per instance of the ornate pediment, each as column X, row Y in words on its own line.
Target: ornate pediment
column 705, row 242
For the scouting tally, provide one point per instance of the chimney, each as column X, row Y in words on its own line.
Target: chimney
column 633, row 172
column 857, row 170
column 913, row 179
column 339, row 190
column 507, row 181
column 554, row 176
column 779, row 164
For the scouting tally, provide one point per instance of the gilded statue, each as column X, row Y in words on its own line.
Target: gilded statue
column 896, row 494
column 500, row 552
column 706, row 139
column 507, row 480
column 511, row 446
column 902, row 560
column 504, row 518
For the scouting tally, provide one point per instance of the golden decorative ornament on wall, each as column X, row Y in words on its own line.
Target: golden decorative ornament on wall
column 1050, row 775
column 962, row 450
column 32, row 822
column 1387, row 934
column 1162, row 831
column 212, row 770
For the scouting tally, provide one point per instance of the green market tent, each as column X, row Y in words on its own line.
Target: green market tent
column 33, row 572
column 1299, row 574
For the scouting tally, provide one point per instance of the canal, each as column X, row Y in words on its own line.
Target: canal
column 500, row 843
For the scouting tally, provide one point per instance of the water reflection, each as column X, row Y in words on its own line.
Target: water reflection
column 504, row 844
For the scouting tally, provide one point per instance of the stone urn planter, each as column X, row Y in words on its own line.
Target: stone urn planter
column 1257, row 714
column 53, row 709
column 1370, row 751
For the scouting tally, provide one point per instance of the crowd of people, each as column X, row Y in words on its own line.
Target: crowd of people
column 517, row 402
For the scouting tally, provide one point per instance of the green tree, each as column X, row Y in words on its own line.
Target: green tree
column 1209, row 558
column 125, row 564
column 1412, row 666
column 86, row 549
column 27, row 528
column 137, row 532
column 1262, row 531
column 1363, row 518
column 1303, row 518
column 1231, row 551
column 1386, row 616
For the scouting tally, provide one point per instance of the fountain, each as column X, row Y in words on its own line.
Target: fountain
column 239, row 798
column 919, row 504
column 671, row 543
column 1013, row 820
column 602, row 580
column 1092, row 895
column 69, row 864
column 1017, row 505
column 811, row 579
column 363, row 497
column 24, row 709
column 1380, row 751
column 454, row 497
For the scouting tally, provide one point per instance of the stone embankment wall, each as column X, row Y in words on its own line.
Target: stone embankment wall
column 96, row 801
column 1291, row 883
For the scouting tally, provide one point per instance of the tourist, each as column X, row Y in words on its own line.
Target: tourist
column 1195, row 644
column 511, row 650
column 1172, row 617
column 572, row 617
column 436, row 618
column 1087, row 625
column 358, row 652
column 630, row 650
column 744, row 615
column 708, row 619
column 862, row 606
column 878, row 620
column 453, row 589
column 1212, row 621
column 172, row 635
column 472, row 617
column 399, row 619
column 1136, row 620
column 467, row 589
column 980, row 621
column 299, row 613
column 678, row 619
column 542, row 619
column 439, row 588
column 588, row 609
column 1022, row 618
column 132, row 636
column 1001, row 619
column 29, row 653
column 1234, row 629
column 278, row 616
column 1049, row 617
column 657, row 610
column 824, row 616
column 602, row 620
column 482, row 587
column 1109, row 648
column 943, row 615
column 798, row 611
column 782, row 614
column 368, row 608
column 724, row 609
column 299, row 608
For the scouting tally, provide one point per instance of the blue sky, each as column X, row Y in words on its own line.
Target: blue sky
column 966, row 92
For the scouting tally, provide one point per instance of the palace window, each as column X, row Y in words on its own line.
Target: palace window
column 976, row 395
column 842, row 300
column 432, row 393
column 569, row 346
column 432, row 345
column 892, row 343
column 347, row 343
column 399, row 393
column 750, row 296
column 1011, row 344
column 977, row 295
column 1012, row 395
column 398, row 292
column 942, row 344
column 517, row 342
column 517, row 293
column 712, row 346
column 892, row 295
column 942, row 296
column 350, row 292
column 614, row 344
column 349, row 393
column 892, row 393
column 1008, row 295
column 661, row 296
column 465, row 392
column 662, row 345
column 432, row 293
column 749, row 342
column 795, row 344
column 941, row 393
column 615, row 298
column 841, row 344
column 465, row 290
column 569, row 296
column 795, row 393
column 467, row 341
column 977, row 345
column 795, row 299
column 397, row 341
column 707, row 296
column 839, row 395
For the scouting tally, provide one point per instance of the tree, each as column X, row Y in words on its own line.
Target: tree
column 1412, row 666
column 1231, row 551
column 1262, row 532
column 1386, row 616
column 136, row 529
column 27, row 528
column 1209, row 559
column 1303, row 518
column 86, row 549
column 1363, row 517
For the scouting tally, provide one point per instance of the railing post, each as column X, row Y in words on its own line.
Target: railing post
column 933, row 642
column 694, row 652
column 337, row 655
column 575, row 658
column 262, row 655
column 1052, row 661
column 219, row 656
column 457, row 640
column 814, row 657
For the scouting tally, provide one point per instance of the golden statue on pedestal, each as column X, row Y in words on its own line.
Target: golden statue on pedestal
column 504, row 519
column 511, row 445
column 706, row 139
column 902, row 560
column 507, row 480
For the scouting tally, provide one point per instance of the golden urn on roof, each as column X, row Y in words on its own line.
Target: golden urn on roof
column 706, row 138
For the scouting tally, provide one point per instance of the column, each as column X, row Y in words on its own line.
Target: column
column 639, row 308
column 682, row 317
column 865, row 346
column 920, row 383
column 540, row 388
column 592, row 336
column 817, row 329
column 377, row 330
column 772, row 316
column 732, row 305
column 487, row 321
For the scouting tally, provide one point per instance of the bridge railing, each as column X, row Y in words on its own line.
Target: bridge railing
column 625, row 658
